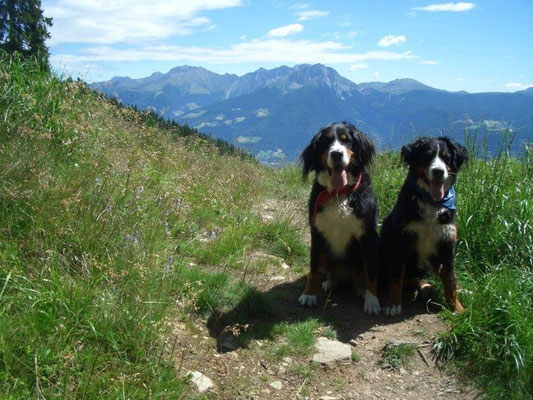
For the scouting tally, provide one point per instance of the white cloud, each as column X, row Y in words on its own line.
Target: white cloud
column 355, row 67
column 299, row 6
column 106, row 22
column 455, row 7
column 285, row 30
column 311, row 14
column 254, row 51
column 518, row 86
column 77, row 67
column 429, row 62
column 345, row 35
column 389, row 40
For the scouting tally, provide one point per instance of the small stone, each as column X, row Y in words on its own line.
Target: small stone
column 353, row 342
column 331, row 350
column 328, row 398
column 285, row 266
column 201, row 381
column 277, row 278
column 276, row 385
column 287, row 359
column 403, row 371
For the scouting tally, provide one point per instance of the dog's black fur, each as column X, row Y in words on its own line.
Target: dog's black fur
column 355, row 262
column 421, row 230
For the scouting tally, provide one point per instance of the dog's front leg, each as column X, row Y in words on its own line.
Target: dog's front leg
column 444, row 267
column 370, row 264
column 397, row 273
column 309, row 296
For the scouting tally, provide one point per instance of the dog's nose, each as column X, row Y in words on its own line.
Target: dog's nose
column 437, row 173
column 336, row 156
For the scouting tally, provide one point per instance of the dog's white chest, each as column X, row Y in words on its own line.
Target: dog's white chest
column 338, row 224
column 430, row 232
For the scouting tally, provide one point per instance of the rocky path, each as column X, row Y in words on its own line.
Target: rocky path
column 349, row 360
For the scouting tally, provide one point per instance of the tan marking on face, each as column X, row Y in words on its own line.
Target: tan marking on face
column 325, row 160
column 351, row 156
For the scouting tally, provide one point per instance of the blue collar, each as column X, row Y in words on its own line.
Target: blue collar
column 449, row 199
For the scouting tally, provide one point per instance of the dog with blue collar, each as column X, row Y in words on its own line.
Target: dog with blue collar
column 420, row 232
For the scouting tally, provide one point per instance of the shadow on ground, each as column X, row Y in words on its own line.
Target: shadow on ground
column 255, row 316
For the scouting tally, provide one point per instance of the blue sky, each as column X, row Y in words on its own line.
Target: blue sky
column 475, row 46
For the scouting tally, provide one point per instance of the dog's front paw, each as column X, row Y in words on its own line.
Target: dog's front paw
column 371, row 304
column 308, row 300
column 393, row 310
column 327, row 285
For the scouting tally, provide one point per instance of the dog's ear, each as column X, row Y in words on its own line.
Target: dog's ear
column 363, row 147
column 409, row 149
column 459, row 152
column 308, row 159
column 407, row 153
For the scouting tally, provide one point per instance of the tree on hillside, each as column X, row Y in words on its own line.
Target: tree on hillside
column 24, row 28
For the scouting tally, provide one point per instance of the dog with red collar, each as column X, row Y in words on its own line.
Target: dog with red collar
column 343, row 214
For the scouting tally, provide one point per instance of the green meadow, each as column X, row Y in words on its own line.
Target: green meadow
column 114, row 223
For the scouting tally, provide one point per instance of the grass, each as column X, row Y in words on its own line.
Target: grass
column 396, row 355
column 117, row 223
column 493, row 340
column 299, row 337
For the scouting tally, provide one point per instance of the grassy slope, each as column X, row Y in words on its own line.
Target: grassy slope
column 102, row 213
column 113, row 227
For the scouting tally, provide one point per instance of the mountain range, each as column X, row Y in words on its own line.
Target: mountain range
column 274, row 113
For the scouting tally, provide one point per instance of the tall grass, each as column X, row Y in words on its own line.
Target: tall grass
column 493, row 340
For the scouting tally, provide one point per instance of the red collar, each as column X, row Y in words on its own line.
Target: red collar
column 324, row 195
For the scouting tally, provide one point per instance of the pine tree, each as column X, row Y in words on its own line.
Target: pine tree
column 24, row 29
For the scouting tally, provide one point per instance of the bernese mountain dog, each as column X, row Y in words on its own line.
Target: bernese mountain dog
column 420, row 233
column 343, row 214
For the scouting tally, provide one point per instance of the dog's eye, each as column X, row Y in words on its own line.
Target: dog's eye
column 445, row 156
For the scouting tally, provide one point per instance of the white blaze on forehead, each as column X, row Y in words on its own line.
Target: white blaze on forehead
column 338, row 146
column 437, row 163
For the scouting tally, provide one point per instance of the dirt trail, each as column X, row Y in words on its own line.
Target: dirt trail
column 252, row 371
